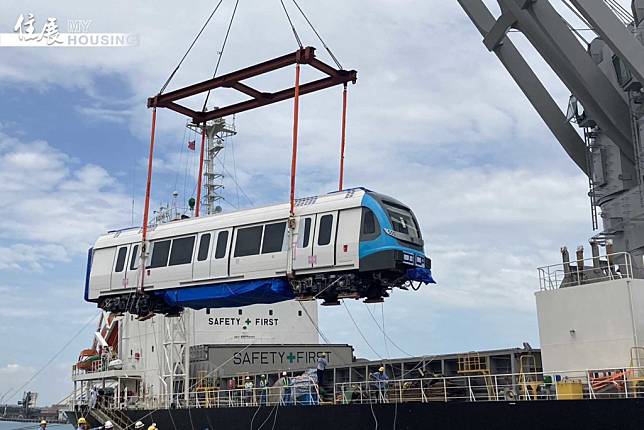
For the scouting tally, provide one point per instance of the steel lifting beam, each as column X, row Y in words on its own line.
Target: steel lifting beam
column 494, row 34
column 614, row 33
column 258, row 98
column 547, row 31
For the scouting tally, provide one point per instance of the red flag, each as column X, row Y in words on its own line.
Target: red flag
column 191, row 145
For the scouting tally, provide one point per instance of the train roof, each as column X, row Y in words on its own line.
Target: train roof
column 328, row 202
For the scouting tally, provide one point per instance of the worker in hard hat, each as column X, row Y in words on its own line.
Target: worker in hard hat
column 93, row 397
column 232, row 391
column 285, row 384
column 248, row 391
column 82, row 424
column 263, row 393
column 43, row 424
column 321, row 367
column 138, row 425
column 153, row 426
column 381, row 383
column 108, row 425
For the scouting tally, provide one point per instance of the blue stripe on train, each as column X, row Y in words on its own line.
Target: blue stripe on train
column 228, row 294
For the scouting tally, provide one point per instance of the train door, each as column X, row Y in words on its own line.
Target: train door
column 201, row 265
column 324, row 240
column 119, row 268
column 220, row 253
column 303, row 251
column 348, row 237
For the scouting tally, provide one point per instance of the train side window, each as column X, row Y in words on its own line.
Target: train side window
column 222, row 244
column 369, row 222
column 324, row 235
column 182, row 250
column 120, row 259
column 160, row 252
column 204, row 246
column 273, row 237
column 370, row 227
column 249, row 240
column 134, row 261
column 307, row 233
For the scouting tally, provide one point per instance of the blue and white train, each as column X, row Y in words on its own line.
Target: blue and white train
column 353, row 243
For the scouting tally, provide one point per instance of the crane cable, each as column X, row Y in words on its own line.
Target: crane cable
column 51, row 360
column 333, row 57
column 317, row 328
column 288, row 17
column 221, row 52
column 344, row 92
column 381, row 328
column 325, row 338
column 360, row 331
column 213, row 371
column 176, row 69
column 382, row 311
column 203, row 109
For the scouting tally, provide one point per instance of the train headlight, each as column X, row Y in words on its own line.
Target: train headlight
column 408, row 258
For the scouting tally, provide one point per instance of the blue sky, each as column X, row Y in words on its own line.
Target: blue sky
column 434, row 120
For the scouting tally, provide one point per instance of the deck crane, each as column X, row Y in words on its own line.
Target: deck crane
column 605, row 78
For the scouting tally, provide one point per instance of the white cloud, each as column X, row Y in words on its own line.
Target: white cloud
column 31, row 257
column 102, row 114
column 55, row 207
column 12, row 376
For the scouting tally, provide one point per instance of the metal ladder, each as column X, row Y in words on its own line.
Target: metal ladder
column 116, row 416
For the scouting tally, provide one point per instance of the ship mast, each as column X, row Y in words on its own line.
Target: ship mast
column 217, row 131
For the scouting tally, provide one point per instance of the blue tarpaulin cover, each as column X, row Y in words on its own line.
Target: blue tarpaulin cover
column 229, row 294
column 420, row 274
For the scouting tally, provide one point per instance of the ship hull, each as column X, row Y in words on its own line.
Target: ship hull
column 622, row 414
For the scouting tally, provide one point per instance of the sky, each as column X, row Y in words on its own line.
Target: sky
column 434, row 120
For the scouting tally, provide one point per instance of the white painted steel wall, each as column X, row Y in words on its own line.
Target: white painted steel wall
column 591, row 326
column 141, row 343
column 287, row 323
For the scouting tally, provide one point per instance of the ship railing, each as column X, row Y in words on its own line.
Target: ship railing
column 96, row 366
column 589, row 270
column 528, row 386
column 239, row 397
column 621, row 383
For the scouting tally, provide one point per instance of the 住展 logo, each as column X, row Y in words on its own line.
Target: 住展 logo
column 27, row 32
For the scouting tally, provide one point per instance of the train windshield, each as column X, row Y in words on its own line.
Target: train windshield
column 403, row 221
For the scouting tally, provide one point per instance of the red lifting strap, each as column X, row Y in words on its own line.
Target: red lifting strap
column 148, row 186
column 344, row 132
column 296, row 110
column 199, row 179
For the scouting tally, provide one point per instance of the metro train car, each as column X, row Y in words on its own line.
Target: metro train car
column 347, row 244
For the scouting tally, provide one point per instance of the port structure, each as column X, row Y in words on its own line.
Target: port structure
column 175, row 376
column 258, row 98
column 605, row 78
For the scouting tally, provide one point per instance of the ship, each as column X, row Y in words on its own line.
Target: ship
column 230, row 368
